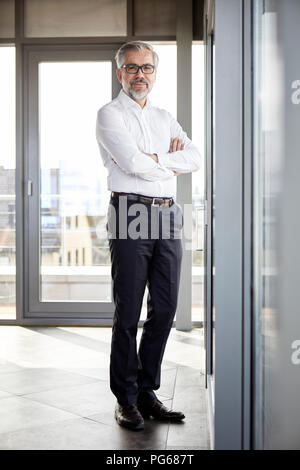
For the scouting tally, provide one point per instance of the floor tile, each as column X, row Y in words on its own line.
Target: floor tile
column 167, row 384
column 189, row 376
column 18, row 413
column 192, row 432
column 30, row 380
column 78, row 434
column 191, row 399
column 153, row 436
column 82, row 399
column 100, row 373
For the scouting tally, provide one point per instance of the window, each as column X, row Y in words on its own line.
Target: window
column 7, row 185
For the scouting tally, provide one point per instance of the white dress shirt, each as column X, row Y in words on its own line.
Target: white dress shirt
column 125, row 130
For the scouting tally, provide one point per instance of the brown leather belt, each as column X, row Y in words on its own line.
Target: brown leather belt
column 154, row 201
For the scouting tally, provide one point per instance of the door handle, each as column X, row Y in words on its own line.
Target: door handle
column 199, row 215
column 201, row 212
column 29, row 188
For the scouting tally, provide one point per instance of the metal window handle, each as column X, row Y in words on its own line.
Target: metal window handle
column 198, row 210
column 205, row 213
column 203, row 209
column 29, row 187
column 197, row 229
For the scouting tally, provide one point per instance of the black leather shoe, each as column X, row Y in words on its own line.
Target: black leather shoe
column 129, row 417
column 156, row 409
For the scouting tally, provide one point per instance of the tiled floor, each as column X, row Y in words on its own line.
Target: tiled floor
column 54, row 392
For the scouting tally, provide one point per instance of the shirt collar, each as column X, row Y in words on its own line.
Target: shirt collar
column 127, row 102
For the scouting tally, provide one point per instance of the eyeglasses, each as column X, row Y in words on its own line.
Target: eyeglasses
column 134, row 68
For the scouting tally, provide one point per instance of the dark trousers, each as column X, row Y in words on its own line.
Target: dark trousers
column 136, row 262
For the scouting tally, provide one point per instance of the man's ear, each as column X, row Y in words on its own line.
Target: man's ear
column 119, row 75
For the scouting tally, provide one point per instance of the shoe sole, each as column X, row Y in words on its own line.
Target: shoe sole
column 147, row 415
column 172, row 420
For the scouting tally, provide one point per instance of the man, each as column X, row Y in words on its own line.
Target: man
column 143, row 148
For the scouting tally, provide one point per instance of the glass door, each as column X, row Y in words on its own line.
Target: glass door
column 66, row 197
column 198, row 184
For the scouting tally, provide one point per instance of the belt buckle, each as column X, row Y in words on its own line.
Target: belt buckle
column 153, row 202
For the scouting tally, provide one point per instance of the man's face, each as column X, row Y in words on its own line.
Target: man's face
column 137, row 85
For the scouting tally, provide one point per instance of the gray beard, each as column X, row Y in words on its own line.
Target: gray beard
column 138, row 95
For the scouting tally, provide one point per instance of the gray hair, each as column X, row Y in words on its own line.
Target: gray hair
column 134, row 46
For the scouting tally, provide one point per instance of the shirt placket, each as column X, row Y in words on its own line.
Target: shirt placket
column 159, row 184
column 148, row 147
column 146, row 133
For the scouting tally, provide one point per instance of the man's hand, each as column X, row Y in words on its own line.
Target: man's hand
column 176, row 144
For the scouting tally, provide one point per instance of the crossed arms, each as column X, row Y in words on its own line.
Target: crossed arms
column 113, row 135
